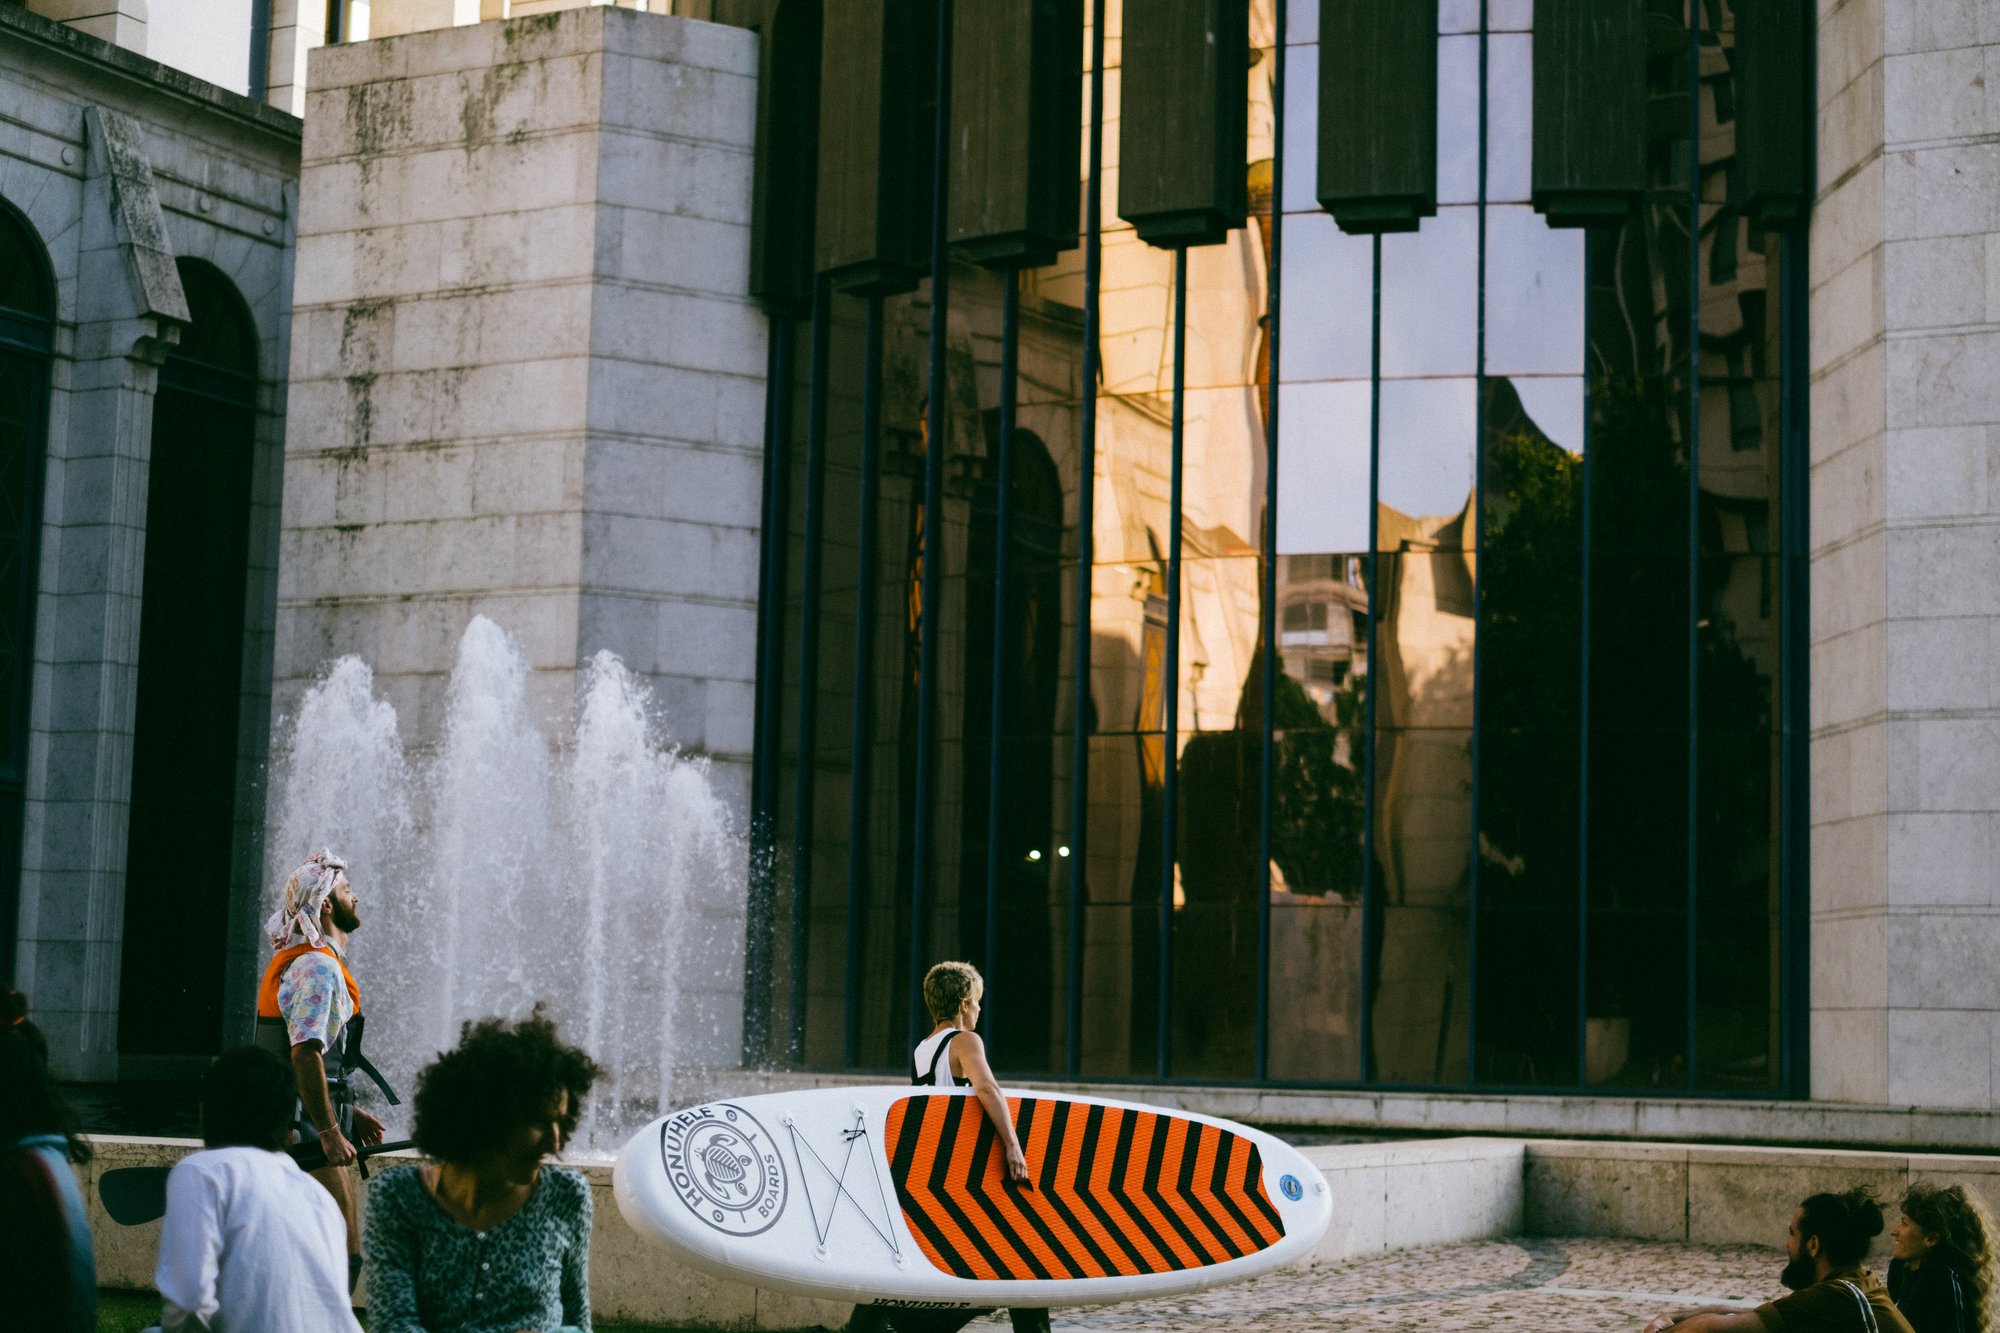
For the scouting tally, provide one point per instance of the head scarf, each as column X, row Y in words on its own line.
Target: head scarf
column 297, row 919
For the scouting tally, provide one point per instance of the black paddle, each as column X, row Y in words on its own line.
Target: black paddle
column 138, row 1194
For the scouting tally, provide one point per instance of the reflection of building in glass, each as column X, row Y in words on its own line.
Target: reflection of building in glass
column 1509, row 664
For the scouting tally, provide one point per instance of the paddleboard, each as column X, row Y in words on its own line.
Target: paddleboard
column 898, row 1195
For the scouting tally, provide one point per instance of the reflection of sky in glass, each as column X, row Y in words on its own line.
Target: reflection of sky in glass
column 1301, row 24
column 1430, row 296
column 1509, row 96
column 1323, row 468
column 1534, row 295
column 1301, row 132
column 1458, row 15
column 1328, row 290
column 1509, row 15
column 1556, row 405
column 1458, row 120
column 1428, row 429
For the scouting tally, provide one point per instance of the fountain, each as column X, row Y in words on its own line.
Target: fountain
column 500, row 870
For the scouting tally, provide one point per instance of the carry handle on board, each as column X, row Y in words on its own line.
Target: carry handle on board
column 138, row 1194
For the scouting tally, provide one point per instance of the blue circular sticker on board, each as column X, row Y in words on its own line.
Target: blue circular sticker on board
column 1290, row 1185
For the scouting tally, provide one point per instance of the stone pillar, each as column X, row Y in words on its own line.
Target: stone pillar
column 130, row 312
column 120, row 22
column 527, row 376
column 1906, row 555
column 297, row 28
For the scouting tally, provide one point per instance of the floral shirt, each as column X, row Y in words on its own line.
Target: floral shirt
column 312, row 996
column 429, row 1273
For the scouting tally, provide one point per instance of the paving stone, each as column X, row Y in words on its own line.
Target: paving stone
column 1557, row 1285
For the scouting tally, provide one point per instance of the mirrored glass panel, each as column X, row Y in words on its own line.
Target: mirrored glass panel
column 1509, row 103
column 1323, row 474
column 1422, row 815
column 1458, row 119
column 1430, row 297
column 1534, row 295
column 1424, row 481
column 1329, row 288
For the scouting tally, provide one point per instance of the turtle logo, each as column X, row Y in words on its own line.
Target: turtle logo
column 723, row 1171
column 725, row 1168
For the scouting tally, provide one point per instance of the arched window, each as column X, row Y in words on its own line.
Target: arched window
column 27, row 335
column 184, row 746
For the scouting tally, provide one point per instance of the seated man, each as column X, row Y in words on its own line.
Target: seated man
column 250, row 1241
column 1831, row 1292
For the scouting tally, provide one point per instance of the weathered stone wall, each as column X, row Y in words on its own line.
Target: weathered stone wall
column 1906, row 554
column 528, row 377
column 121, row 166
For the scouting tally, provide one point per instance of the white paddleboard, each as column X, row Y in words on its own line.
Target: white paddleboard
column 897, row 1195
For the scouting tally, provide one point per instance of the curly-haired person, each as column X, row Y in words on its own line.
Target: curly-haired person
column 482, row 1237
column 1941, row 1272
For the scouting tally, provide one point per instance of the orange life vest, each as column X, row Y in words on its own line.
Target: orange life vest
column 267, row 992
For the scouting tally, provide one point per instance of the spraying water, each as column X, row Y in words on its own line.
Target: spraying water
column 500, row 871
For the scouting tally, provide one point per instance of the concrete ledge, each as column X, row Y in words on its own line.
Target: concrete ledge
column 1713, row 1195
column 1395, row 1196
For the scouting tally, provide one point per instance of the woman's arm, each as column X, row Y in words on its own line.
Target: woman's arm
column 1708, row 1319
column 968, row 1060
column 390, row 1248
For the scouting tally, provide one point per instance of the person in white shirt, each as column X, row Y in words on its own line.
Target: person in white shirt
column 250, row 1241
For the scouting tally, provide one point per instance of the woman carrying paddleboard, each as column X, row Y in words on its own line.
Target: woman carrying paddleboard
column 954, row 1056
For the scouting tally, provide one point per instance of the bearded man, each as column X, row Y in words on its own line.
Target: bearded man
column 309, row 1012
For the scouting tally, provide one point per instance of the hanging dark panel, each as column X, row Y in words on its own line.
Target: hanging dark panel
column 1378, row 113
column 1590, row 110
column 1182, row 120
column 1016, row 103
column 781, row 219
column 877, row 100
column 1773, row 120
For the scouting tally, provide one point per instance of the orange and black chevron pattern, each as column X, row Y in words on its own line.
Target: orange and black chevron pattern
column 1117, row 1192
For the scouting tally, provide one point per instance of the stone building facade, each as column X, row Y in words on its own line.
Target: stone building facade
column 160, row 213
column 1906, row 555
column 528, row 382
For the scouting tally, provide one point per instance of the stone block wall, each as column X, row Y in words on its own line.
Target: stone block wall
column 527, row 379
column 1905, row 539
column 122, row 166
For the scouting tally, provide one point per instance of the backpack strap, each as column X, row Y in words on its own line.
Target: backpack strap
column 1868, row 1320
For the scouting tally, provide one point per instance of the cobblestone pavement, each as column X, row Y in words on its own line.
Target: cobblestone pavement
column 1554, row 1285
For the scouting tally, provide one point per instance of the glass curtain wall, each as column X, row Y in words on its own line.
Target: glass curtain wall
column 1523, row 815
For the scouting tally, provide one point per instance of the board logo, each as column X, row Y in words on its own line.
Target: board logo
column 725, row 1168
column 1291, row 1187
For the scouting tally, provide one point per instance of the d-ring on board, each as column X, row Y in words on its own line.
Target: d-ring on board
column 821, row 1230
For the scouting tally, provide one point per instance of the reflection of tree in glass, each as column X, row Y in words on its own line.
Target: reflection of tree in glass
column 1316, row 814
column 1530, row 640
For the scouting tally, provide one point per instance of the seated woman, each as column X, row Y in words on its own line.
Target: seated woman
column 1941, row 1269
column 482, row 1237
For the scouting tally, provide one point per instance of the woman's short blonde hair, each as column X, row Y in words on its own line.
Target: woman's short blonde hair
column 948, row 986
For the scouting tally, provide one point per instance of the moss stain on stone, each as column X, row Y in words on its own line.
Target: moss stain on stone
column 361, row 407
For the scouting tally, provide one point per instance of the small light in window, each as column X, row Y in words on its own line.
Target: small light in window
column 1035, row 855
column 1062, row 851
